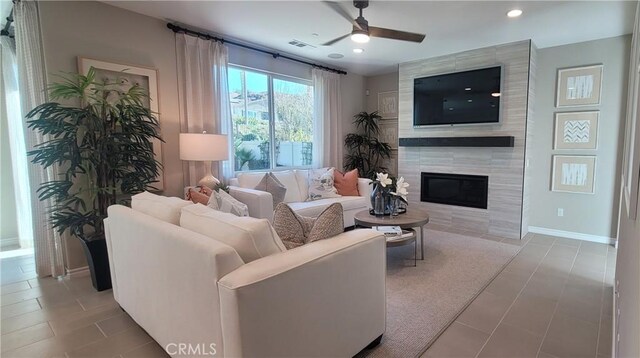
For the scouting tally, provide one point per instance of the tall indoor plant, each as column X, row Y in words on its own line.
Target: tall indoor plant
column 101, row 144
column 365, row 151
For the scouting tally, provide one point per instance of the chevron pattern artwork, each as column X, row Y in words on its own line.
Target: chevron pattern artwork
column 577, row 131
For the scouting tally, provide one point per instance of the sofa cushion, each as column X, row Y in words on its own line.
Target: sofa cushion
column 302, row 177
column 251, row 238
column 271, row 184
column 288, row 179
column 250, row 180
column 296, row 230
column 314, row 208
column 160, row 207
column 321, row 184
column 347, row 183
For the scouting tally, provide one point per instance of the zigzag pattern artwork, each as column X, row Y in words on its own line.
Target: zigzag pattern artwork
column 577, row 131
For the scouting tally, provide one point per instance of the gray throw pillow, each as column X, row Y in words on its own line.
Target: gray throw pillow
column 271, row 184
column 295, row 230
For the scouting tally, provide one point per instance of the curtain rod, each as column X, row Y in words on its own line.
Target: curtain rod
column 5, row 30
column 177, row 29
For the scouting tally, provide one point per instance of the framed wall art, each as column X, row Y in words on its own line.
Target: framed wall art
column 573, row 174
column 579, row 86
column 576, row 130
column 129, row 75
column 388, row 104
column 388, row 133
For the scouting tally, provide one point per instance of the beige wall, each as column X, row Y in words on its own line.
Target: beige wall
column 583, row 213
column 8, row 224
column 626, row 311
column 352, row 91
column 100, row 31
column 376, row 84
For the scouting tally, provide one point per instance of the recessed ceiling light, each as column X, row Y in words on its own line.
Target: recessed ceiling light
column 336, row 55
column 514, row 13
column 495, row 94
column 358, row 50
column 468, row 89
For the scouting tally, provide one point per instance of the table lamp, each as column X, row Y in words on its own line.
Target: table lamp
column 204, row 147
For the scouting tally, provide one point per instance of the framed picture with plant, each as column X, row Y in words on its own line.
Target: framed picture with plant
column 127, row 76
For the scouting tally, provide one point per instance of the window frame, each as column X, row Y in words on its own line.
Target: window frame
column 272, row 117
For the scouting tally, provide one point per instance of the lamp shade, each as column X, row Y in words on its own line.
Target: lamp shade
column 203, row 147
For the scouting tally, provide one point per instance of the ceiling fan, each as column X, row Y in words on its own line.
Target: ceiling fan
column 362, row 31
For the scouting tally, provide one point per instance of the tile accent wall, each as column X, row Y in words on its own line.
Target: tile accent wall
column 504, row 166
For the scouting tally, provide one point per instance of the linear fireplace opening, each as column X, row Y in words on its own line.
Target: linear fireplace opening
column 455, row 189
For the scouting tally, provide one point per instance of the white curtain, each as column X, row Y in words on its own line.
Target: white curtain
column 32, row 85
column 10, row 109
column 204, row 98
column 327, row 129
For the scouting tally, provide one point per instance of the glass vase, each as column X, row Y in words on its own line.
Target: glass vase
column 378, row 205
column 395, row 206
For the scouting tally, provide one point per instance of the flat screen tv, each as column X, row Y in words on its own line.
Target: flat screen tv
column 469, row 97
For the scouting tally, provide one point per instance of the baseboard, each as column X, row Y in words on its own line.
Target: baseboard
column 80, row 271
column 572, row 235
column 9, row 242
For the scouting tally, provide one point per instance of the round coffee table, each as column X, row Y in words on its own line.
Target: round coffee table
column 413, row 218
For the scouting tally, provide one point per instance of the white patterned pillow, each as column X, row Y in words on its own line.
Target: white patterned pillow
column 321, row 184
column 229, row 204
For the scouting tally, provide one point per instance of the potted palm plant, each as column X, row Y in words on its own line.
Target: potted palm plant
column 102, row 148
column 365, row 150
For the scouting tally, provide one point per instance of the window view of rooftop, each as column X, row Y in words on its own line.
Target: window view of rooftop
column 272, row 120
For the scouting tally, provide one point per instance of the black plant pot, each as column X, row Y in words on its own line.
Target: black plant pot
column 96, row 252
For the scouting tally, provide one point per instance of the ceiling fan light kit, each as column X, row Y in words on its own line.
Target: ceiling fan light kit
column 359, row 36
column 362, row 32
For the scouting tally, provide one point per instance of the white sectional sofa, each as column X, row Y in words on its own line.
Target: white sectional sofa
column 260, row 203
column 191, row 275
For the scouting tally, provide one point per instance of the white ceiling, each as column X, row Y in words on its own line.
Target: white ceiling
column 450, row 26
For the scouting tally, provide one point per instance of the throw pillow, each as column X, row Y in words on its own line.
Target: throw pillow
column 229, row 204
column 197, row 197
column 347, row 183
column 160, row 207
column 203, row 195
column 321, row 184
column 271, row 184
column 295, row 230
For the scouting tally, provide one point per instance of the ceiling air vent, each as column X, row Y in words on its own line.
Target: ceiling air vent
column 298, row 43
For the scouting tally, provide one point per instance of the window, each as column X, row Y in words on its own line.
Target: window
column 272, row 119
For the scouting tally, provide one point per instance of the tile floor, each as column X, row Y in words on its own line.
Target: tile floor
column 552, row 300
column 555, row 299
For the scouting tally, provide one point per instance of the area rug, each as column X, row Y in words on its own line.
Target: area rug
column 422, row 301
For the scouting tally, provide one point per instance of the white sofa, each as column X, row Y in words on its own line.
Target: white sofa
column 260, row 203
column 324, row 299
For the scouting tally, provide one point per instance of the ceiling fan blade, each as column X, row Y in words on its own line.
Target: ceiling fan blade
column 329, row 43
column 342, row 12
column 395, row 34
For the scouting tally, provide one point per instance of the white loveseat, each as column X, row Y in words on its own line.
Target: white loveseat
column 260, row 203
column 324, row 299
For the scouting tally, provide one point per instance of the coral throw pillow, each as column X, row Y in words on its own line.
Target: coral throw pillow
column 347, row 183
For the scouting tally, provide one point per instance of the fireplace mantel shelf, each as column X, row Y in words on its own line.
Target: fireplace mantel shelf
column 494, row 141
